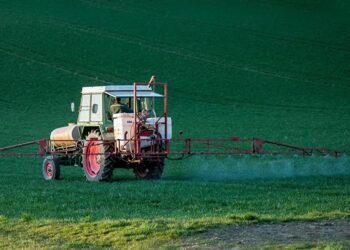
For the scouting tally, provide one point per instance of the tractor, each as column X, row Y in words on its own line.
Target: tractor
column 127, row 126
column 134, row 138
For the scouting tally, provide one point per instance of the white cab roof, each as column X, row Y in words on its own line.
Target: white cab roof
column 121, row 90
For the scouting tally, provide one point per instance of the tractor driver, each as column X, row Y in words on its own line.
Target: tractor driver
column 119, row 107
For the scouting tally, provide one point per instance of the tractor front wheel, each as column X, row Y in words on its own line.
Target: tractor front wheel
column 97, row 163
column 151, row 170
column 51, row 168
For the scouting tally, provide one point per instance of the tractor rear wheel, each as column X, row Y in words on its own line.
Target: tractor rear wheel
column 151, row 170
column 97, row 162
column 51, row 168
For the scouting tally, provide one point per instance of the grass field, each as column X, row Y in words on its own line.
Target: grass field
column 270, row 69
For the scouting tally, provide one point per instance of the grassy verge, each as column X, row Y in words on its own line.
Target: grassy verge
column 72, row 213
column 161, row 213
column 129, row 234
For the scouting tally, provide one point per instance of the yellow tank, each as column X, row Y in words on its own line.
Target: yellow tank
column 65, row 136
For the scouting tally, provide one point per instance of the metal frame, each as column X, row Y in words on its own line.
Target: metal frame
column 186, row 146
column 138, row 121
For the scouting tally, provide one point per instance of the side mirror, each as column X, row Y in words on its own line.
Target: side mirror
column 72, row 107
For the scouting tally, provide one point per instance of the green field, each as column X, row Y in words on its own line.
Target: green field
column 262, row 68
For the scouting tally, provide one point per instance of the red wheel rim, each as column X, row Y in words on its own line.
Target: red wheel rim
column 93, row 158
column 49, row 169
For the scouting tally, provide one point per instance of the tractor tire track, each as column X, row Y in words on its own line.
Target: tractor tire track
column 181, row 52
column 284, row 38
column 95, row 32
column 204, row 98
column 153, row 13
column 6, row 105
column 75, row 66
column 51, row 65
column 192, row 96
column 40, row 58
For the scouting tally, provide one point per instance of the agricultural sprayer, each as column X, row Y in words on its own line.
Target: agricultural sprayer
column 127, row 126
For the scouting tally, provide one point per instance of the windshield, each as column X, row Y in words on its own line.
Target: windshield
column 145, row 106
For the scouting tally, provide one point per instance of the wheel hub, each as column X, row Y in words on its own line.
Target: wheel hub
column 93, row 158
column 49, row 169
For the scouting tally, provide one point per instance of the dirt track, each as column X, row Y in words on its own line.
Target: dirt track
column 256, row 236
